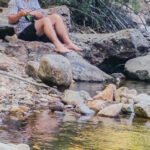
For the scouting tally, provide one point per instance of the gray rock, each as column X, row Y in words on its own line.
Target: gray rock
column 107, row 51
column 142, row 110
column 127, row 108
column 5, row 27
column 84, row 71
column 4, row 3
column 55, row 69
column 14, row 147
column 139, row 68
column 83, row 109
column 31, row 69
column 75, row 97
column 125, row 95
column 56, row 106
column 111, row 111
column 28, row 51
column 142, row 98
column 62, row 11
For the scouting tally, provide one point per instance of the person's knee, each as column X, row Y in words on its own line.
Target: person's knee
column 56, row 17
column 46, row 20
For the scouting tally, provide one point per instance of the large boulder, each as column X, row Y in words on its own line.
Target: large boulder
column 28, row 51
column 55, row 69
column 32, row 51
column 84, row 71
column 139, row 68
column 110, row 51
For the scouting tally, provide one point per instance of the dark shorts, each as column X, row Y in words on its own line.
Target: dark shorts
column 29, row 34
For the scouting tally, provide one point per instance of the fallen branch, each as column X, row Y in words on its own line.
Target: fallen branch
column 22, row 79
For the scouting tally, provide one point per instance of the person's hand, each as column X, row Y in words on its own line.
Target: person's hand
column 37, row 14
column 23, row 12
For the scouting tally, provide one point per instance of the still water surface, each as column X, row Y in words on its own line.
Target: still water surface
column 45, row 131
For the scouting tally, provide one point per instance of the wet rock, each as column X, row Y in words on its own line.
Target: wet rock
column 118, row 76
column 14, row 147
column 142, row 110
column 139, row 68
column 107, row 94
column 31, row 69
column 83, row 109
column 84, row 71
column 97, row 105
column 142, row 98
column 75, row 97
column 109, row 51
column 111, row 111
column 125, row 95
column 127, row 108
column 55, row 69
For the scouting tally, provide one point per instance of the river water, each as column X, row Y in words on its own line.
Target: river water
column 47, row 131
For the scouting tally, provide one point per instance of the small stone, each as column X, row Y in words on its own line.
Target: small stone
column 127, row 108
column 107, row 94
column 142, row 110
column 97, row 105
column 111, row 111
column 83, row 109
column 75, row 97
column 125, row 95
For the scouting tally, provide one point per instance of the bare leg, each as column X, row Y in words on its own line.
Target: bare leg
column 45, row 26
column 61, row 30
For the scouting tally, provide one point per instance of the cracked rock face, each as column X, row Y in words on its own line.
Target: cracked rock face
column 109, row 52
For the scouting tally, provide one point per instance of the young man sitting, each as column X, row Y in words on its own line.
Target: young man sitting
column 43, row 28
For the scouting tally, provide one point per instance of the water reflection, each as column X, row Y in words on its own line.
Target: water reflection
column 75, row 132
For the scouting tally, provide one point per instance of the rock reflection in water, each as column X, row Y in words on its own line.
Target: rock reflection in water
column 75, row 132
column 141, row 87
column 92, row 88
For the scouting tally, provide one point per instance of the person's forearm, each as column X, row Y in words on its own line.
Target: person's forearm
column 14, row 18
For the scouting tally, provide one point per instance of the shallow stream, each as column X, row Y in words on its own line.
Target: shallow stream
column 45, row 131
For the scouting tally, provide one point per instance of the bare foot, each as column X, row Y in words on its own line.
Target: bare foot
column 73, row 47
column 62, row 49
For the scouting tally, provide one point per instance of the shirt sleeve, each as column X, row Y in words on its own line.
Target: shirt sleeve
column 13, row 9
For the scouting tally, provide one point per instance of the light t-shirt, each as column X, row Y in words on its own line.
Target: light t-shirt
column 16, row 5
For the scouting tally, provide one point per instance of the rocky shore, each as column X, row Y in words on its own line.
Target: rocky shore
column 34, row 78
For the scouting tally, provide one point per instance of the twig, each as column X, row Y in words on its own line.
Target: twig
column 22, row 79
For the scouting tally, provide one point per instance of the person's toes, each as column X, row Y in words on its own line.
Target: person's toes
column 62, row 50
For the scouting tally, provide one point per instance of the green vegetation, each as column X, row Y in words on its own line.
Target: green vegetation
column 100, row 15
